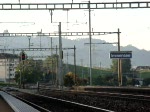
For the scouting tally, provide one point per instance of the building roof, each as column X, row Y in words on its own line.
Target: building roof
column 143, row 68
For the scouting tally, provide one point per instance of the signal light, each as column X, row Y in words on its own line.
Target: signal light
column 23, row 56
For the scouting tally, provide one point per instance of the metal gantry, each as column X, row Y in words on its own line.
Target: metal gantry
column 33, row 49
column 73, row 6
column 55, row 34
column 103, row 43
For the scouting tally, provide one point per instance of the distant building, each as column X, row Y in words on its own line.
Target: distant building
column 8, row 64
column 142, row 68
column 5, row 31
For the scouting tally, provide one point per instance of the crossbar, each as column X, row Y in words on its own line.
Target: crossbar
column 73, row 6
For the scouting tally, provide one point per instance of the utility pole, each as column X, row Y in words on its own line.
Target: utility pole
column 75, row 65
column 52, row 63
column 40, row 39
column 82, row 67
column 29, row 37
column 23, row 86
column 51, row 46
column 119, row 62
column 13, row 51
column 90, row 39
column 100, row 65
column 52, row 73
column 60, row 59
column 20, row 78
column 5, row 69
column 67, row 58
column 67, row 62
column 9, row 73
column 51, row 13
column 56, row 68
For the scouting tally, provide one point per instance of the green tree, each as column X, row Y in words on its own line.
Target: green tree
column 51, row 61
column 129, row 81
column 99, row 80
column 49, row 65
column 114, row 65
column 30, row 71
column 81, row 81
column 146, row 82
column 126, row 65
column 124, row 80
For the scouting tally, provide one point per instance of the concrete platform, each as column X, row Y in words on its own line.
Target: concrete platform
column 4, row 107
column 16, row 105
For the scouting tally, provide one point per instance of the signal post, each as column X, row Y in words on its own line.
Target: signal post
column 23, row 57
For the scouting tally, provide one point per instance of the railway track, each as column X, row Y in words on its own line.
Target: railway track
column 123, row 90
column 122, row 95
column 88, row 101
column 51, row 104
column 112, row 101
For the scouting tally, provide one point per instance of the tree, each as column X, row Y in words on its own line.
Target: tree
column 124, row 80
column 146, row 81
column 126, row 65
column 69, row 79
column 130, row 81
column 30, row 71
column 114, row 65
column 106, row 80
column 81, row 81
column 50, row 61
column 99, row 80
column 50, row 64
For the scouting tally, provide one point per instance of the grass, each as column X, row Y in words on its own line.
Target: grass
column 144, row 74
column 3, row 84
column 84, row 71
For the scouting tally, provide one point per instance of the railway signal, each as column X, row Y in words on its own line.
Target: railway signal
column 23, row 56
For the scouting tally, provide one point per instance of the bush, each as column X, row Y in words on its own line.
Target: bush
column 69, row 79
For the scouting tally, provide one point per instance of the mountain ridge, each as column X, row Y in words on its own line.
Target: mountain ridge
column 100, row 52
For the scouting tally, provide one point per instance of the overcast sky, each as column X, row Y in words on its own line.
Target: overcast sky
column 133, row 23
